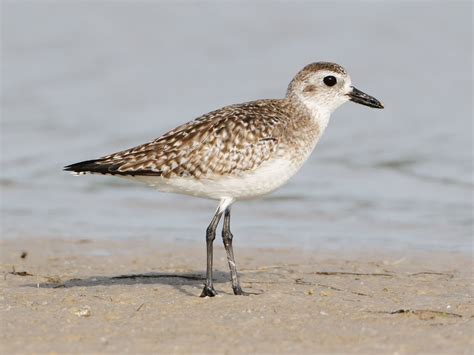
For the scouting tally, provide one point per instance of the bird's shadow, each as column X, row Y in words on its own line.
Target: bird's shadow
column 177, row 280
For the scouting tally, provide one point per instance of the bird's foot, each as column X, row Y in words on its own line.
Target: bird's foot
column 239, row 292
column 208, row 291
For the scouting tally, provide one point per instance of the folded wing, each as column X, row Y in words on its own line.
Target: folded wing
column 231, row 140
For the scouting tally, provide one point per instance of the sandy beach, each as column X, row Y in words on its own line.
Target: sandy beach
column 86, row 296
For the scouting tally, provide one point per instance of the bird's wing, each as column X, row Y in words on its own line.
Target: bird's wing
column 227, row 141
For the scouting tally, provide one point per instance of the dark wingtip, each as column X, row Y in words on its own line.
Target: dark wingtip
column 87, row 166
column 97, row 166
column 68, row 168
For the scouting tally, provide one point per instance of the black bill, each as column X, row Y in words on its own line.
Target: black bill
column 362, row 98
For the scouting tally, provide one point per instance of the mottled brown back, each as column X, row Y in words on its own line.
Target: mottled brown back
column 231, row 140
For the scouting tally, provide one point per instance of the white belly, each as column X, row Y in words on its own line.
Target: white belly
column 265, row 179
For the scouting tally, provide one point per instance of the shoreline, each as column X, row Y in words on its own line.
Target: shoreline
column 140, row 295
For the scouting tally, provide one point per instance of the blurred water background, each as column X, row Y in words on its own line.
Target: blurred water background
column 83, row 79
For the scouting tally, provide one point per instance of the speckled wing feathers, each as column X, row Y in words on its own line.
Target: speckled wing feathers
column 231, row 140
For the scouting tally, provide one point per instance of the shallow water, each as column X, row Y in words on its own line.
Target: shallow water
column 80, row 80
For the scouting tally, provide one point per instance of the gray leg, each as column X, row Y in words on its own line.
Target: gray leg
column 227, row 239
column 208, row 289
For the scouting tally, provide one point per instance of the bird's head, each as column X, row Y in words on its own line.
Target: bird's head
column 326, row 86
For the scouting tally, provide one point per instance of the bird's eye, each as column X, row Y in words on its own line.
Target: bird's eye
column 330, row 80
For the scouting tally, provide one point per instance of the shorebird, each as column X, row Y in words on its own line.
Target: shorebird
column 237, row 152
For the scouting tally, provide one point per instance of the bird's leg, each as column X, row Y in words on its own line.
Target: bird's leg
column 208, row 289
column 227, row 239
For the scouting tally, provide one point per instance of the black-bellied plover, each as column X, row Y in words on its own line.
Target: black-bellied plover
column 237, row 152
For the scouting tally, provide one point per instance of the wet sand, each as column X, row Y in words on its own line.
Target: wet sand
column 85, row 296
